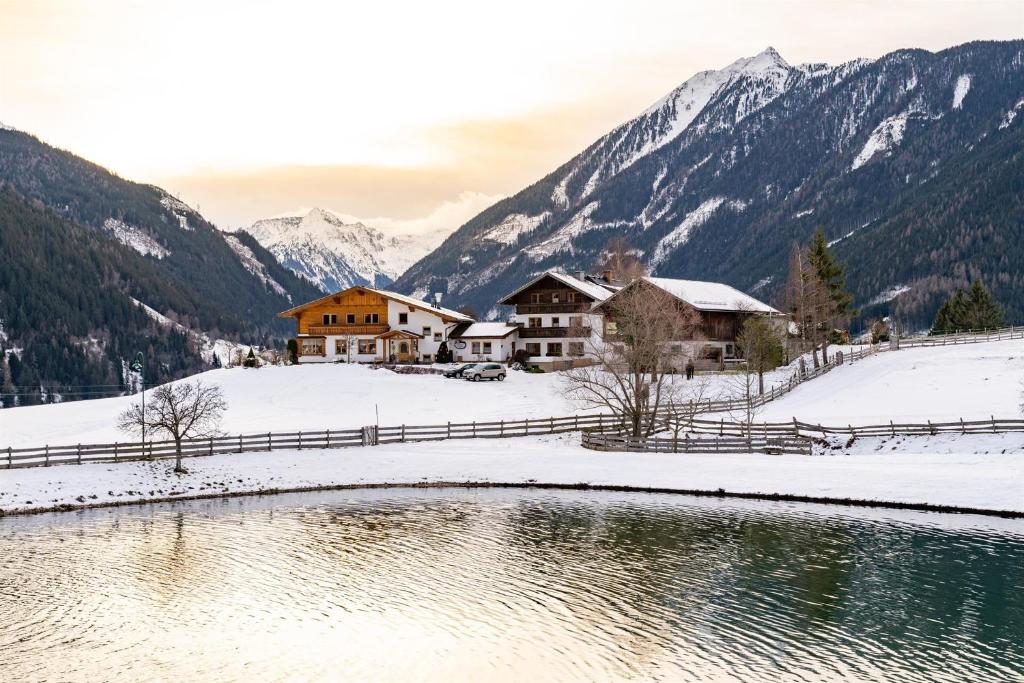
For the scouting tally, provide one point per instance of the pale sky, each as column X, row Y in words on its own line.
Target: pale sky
column 418, row 114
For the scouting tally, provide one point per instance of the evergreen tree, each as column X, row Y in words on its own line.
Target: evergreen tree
column 216, row 361
column 833, row 276
column 974, row 309
column 444, row 355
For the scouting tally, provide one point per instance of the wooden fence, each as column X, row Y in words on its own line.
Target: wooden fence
column 796, row 428
column 773, row 445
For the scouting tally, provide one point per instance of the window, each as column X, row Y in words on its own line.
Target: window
column 437, row 336
column 554, row 321
column 403, row 347
column 533, row 348
column 555, row 348
column 426, row 357
column 350, row 318
column 426, row 331
column 535, row 322
column 570, row 297
column 575, row 348
column 331, row 319
column 312, row 347
column 487, row 347
column 340, row 347
column 371, row 319
column 536, row 297
column 576, row 321
column 403, row 318
column 676, row 348
column 555, row 298
column 475, row 347
column 612, row 327
column 367, row 347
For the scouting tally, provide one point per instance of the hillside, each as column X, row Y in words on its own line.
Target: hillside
column 65, row 218
column 910, row 162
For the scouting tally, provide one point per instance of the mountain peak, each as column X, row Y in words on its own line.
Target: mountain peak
column 768, row 59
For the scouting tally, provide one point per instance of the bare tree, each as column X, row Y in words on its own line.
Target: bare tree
column 180, row 410
column 621, row 260
column 642, row 344
column 808, row 304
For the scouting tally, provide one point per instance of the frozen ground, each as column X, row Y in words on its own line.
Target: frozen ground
column 921, row 472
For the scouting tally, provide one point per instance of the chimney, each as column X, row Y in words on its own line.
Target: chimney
column 437, row 300
column 581, row 276
column 607, row 275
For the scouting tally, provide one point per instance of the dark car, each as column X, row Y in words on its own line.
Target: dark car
column 458, row 370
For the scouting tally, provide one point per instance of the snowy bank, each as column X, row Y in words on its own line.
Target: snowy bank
column 920, row 473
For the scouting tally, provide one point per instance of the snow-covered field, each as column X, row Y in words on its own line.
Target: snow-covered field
column 912, row 475
column 972, row 381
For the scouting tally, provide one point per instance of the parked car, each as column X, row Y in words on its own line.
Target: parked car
column 458, row 370
column 484, row 371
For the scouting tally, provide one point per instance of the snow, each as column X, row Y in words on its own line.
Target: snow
column 512, row 227
column 178, row 208
column 254, row 266
column 1011, row 115
column 963, row 86
column 710, row 296
column 886, row 136
column 969, row 381
column 419, row 303
column 136, row 238
column 992, row 482
column 801, row 214
column 889, row 294
column 309, row 397
column 486, row 331
column 158, row 316
column 681, row 233
column 335, row 253
column 564, row 237
column 4, row 126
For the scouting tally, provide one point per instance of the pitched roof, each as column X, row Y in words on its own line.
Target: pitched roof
column 394, row 296
column 710, row 296
column 595, row 292
column 482, row 331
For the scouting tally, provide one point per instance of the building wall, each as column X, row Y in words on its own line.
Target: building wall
column 357, row 302
column 547, row 361
column 501, row 349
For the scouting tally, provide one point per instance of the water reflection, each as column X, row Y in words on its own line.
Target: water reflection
column 509, row 585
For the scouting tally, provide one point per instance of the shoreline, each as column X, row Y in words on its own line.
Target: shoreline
column 619, row 488
column 962, row 475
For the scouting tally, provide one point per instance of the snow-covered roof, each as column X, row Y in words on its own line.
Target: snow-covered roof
column 394, row 296
column 596, row 292
column 484, row 330
column 426, row 305
column 710, row 296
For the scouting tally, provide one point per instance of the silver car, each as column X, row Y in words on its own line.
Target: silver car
column 484, row 371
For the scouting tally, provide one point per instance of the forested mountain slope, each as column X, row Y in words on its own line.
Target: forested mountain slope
column 79, row 242
column 910, row 162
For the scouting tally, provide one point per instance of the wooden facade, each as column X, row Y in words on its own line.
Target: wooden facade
column 354, row 311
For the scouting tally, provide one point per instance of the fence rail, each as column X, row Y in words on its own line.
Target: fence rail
column 707, row 444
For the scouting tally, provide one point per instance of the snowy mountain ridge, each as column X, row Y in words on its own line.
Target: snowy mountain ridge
column 720, row 176
column 335, row 251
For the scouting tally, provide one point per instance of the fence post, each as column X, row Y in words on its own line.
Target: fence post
column 79, row 453
column 47, row 454
column 501, row 429
column 474, row 429
column 9, row 457
column 270, row 441
column 403, row 432
column 328, row 439
column 892, row 428
column 527, row 431
column 211, row 446
column 994, row 430
column 449, row 429
column 551, row 424
column 300, row 439
column 239, row 443
column 963, row 429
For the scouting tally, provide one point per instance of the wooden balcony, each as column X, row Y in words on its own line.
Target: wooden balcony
column 567, row 307
column 344, row 330
column 552, row 332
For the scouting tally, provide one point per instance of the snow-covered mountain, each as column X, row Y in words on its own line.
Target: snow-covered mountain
column 717, row 179
column 334, row 252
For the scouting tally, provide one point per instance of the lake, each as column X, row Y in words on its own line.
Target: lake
column 509, row 585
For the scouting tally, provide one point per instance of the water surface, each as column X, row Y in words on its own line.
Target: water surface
column 509, row 585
